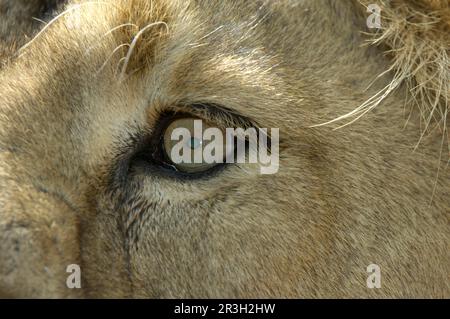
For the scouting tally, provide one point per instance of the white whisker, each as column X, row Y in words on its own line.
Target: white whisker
column 110, row 56
column 133, row 45
column 108, row 33
column 55, row 19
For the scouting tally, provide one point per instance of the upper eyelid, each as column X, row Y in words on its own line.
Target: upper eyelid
column 215, row 113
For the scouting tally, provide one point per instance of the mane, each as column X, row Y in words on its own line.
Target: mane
column 415, row 34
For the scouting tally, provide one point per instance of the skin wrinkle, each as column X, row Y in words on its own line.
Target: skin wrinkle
column 341, row 200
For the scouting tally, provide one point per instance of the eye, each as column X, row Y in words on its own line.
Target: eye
column 191, row 145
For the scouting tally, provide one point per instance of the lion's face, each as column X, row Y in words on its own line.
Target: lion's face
column 85, row 178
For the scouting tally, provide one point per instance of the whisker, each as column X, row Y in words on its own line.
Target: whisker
column 133, row 45
column 62, row 14
column 39, row 20
column 110, row 56
column 110, row 32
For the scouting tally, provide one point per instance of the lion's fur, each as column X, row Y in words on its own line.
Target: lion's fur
column 416, row 34
column 72, row 111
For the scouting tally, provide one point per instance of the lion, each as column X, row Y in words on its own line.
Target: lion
column 92, row 207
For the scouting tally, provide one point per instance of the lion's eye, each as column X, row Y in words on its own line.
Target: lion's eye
column 191, row 145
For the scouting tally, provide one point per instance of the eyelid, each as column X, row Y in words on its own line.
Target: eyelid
column 216, row 115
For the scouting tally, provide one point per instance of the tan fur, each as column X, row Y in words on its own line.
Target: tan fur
column 417, row 36
column 72, row 106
